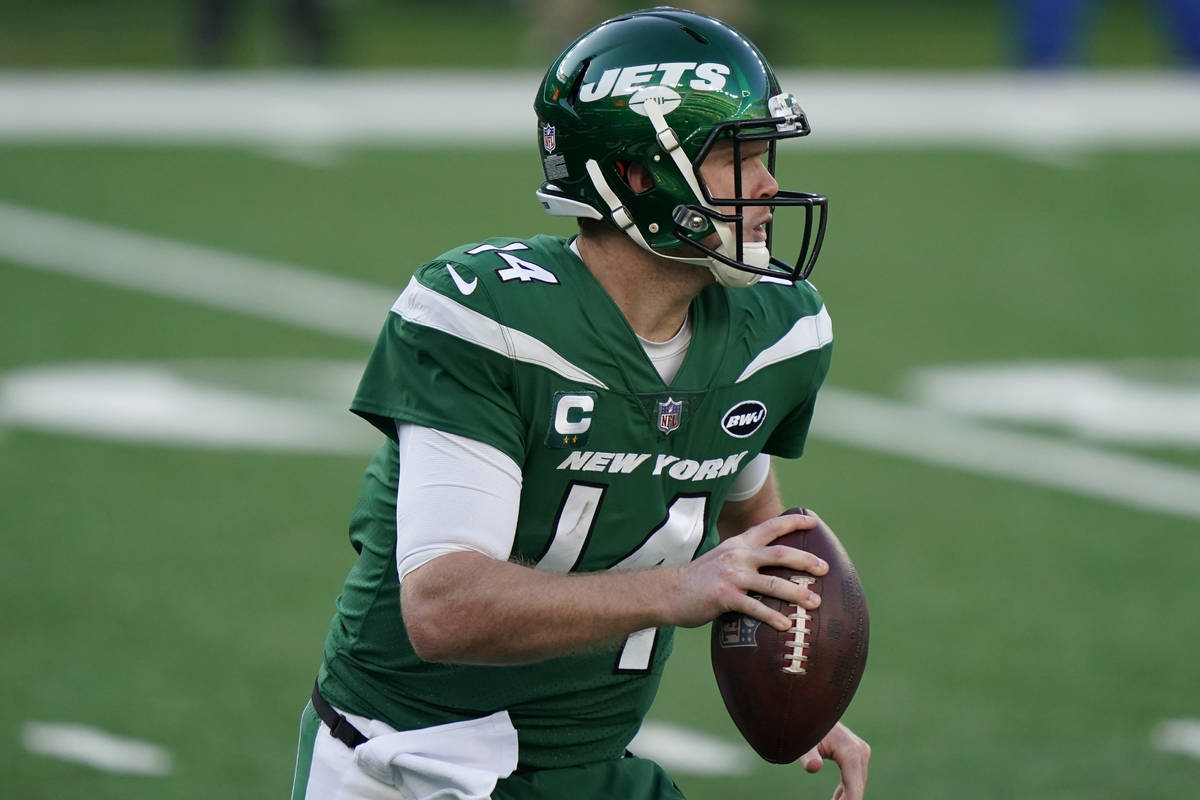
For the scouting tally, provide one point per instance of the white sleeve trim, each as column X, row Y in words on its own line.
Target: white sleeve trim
column 454, row 494
column 421, row 305
column 751, row 478
column 809, row 333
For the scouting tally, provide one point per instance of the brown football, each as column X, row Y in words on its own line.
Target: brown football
column 786, row 689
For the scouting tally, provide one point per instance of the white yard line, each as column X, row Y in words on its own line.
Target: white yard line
column 681, row 749
column 937, row 437
column 1180, row 736
column 195, row 273
column 1006, row 110
column 183, row 404
column 84, row 744
column 336, row 305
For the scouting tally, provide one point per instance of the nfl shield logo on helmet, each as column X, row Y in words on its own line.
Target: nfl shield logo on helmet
column 669, row 412
column 548, row 138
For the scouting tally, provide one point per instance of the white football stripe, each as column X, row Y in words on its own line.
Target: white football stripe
column 421, row 305
column 809, row 333
column 84, row 744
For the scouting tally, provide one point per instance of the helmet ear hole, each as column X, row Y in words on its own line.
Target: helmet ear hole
column 636, row 176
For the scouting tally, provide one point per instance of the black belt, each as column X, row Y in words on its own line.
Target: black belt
column 339, row 727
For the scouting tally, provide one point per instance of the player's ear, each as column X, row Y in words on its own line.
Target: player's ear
column 638, row 177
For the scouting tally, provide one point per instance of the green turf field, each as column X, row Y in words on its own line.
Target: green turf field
column 1028, row 641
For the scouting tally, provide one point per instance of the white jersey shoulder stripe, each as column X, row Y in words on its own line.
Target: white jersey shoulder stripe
column 423, row 306
column 809, row 333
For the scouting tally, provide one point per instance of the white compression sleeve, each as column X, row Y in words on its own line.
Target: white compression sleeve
column 750, row 479
column 454, row 494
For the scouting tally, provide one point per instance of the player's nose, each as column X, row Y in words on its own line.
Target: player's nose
column 763, row 183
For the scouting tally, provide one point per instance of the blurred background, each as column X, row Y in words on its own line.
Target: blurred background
column 507, row 33
column 207, row 208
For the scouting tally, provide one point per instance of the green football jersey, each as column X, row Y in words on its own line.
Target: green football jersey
column 515, row 344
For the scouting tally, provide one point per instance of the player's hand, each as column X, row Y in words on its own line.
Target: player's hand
column 722, row 579
column 850, row 753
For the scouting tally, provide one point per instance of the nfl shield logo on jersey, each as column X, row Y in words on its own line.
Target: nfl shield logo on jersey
column 548, row 138
column 669, row 412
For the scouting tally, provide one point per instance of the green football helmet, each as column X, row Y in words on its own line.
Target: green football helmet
column 661, row 88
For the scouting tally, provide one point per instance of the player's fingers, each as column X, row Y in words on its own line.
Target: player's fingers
column 839, row 793
column 780, row 555
column 808, row 512
column 854, row 780
column 745, row 604
column 768, row 531
column 784, row 589
column 852, row 755
column 812, row 761
column 853, row 788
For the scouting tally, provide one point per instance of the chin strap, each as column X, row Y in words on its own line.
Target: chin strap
column 620, row 214
column 670, row 143
column 725, row 274
column 753, row 253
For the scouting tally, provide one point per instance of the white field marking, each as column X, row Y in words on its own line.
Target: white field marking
column 1140, row 401
column 1180, row 736
column 269, row 108
column 193, row 404
column 1002, row 109
column 308, row 155
column 349, row 308
column 681, row 749
column 936, row 437
column 84, row 744
column 206, row 275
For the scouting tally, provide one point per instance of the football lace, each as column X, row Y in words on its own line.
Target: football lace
column 796, row 658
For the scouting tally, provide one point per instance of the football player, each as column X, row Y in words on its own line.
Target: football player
column 579, row 434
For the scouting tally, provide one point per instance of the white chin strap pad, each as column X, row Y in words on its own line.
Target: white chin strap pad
column 753, row 253
column 731, row 276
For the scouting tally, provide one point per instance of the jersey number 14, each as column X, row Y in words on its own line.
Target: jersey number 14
column 674, row 541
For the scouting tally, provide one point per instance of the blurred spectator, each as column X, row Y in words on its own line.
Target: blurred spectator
column 1048, row 30
column 554, row 23
column 306, row 27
